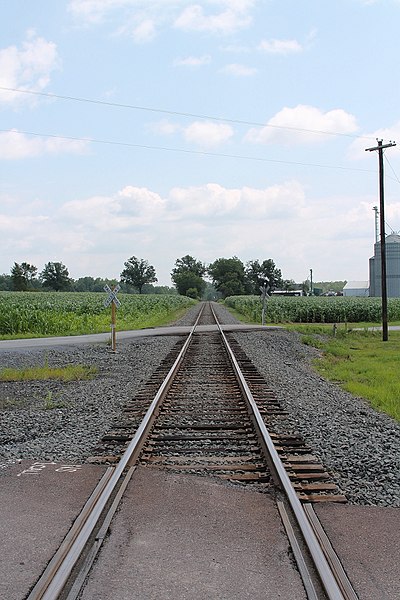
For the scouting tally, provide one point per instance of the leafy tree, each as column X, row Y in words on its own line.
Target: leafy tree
column 17, row 276
column 22, row 276
column 228, row 276
column 256, row 273
column 188, row 263
column 289, row 285
column 55, row 275
column 137, row 272
column 188, row 276
column 91, row 284
column 84, row 284
column 5, row 283
column 148, row 288
column 188, row 281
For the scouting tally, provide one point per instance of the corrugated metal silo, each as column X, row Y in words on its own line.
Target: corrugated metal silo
column 392, row 268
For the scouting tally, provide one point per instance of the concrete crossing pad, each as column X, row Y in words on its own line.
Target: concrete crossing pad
column 39, row 502
column 190, row 537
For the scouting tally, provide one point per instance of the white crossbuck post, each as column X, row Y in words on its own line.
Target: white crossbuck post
column 115, row 303
column 264, row 296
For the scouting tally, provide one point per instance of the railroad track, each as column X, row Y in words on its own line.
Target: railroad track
column 208, row 417
column 205, row 426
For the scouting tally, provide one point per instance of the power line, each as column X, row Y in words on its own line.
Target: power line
column 181, row 114
column 183, row 150
column 394, row 172
column 391, row 228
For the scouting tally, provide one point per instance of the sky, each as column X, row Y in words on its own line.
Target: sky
column 214, row 128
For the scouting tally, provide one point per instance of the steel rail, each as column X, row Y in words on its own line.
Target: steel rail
column 62, row 552
column 50, row 585
column 321, row 564
column 330, row 553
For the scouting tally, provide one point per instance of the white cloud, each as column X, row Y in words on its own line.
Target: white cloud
column 94, row 11
column 193, row 61
column 213, row 201
column 145, row 31
column 234, row 15
column 141, row 201
column 95, row 235
column 208, row 134
column 205, row 134
column 143, row 17
column 15, row 145
column 130, row 207
column 301, row 124
column 164, row 127
column 280, row 46
column 29, row 66
column 137, row 19
column 239, row 70
column 204, row 201
column 357, row 148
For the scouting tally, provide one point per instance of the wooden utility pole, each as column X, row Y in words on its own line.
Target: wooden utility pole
column 380, row 147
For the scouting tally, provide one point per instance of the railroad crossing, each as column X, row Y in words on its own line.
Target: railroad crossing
column 115, row 303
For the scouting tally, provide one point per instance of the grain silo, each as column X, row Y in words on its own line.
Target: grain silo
column 392, row 268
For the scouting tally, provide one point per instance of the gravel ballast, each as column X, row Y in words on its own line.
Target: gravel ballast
column 55, row 421
column 62, row 422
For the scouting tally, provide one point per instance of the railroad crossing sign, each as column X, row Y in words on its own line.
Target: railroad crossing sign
column 264, row 289
column 115, row 303
column 112, row 296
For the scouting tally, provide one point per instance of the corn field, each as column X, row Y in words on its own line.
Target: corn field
column 308, row 309
column 74, row 313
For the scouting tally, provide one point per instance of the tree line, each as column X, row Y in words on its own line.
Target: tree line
column 55, row 277
column 224, row 277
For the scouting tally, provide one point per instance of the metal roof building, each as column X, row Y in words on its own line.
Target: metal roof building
column 356, row 288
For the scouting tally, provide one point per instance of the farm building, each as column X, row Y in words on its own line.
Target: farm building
column 356, row 288
column 392, row 268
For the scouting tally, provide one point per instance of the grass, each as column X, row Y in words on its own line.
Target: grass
column 45, row 373
column 356, row 358
column 362, row 364
column 50, row 403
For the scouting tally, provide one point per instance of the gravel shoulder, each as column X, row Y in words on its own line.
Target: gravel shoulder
column 55, row 421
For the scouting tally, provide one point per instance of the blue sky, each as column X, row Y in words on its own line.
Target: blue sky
column 214, row 128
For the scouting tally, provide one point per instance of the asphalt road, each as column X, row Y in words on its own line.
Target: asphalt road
column 102, row 338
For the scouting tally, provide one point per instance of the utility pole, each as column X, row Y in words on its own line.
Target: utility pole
column 380, row 147
column 311, row 283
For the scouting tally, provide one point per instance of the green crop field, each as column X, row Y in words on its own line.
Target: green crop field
column 29, row 314
column 306, row 309
column 355, row 358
